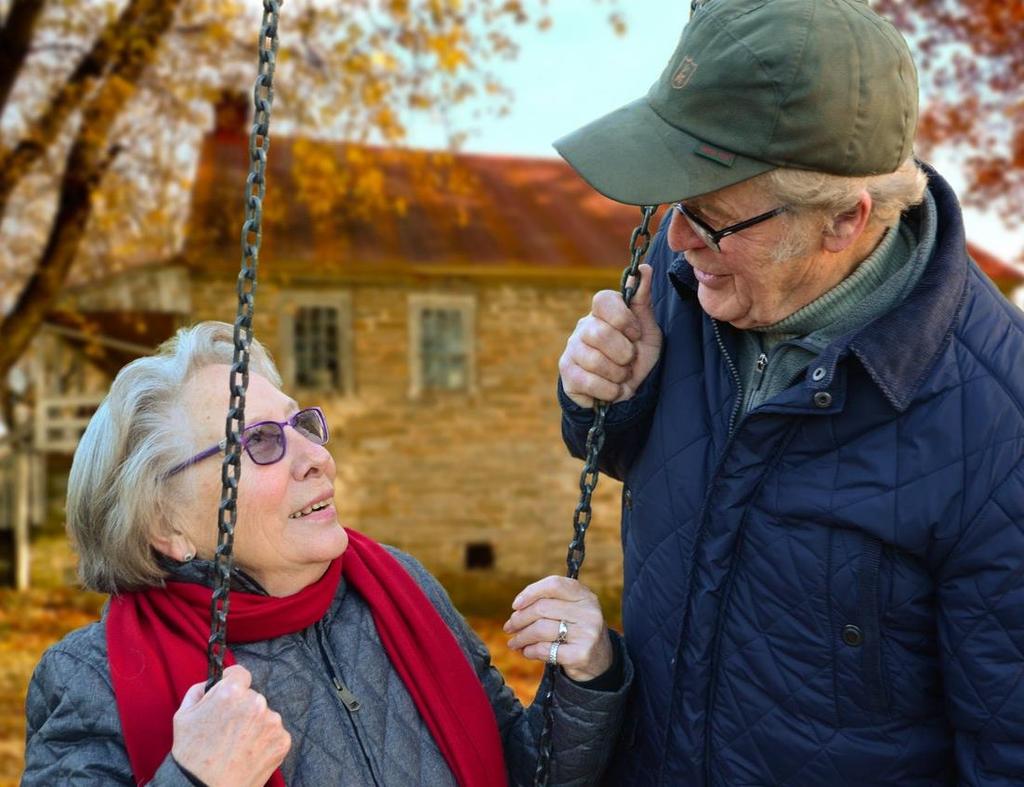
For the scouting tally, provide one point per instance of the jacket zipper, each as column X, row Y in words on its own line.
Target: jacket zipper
column 699, row 536
column 735, row 376
column 347, row 698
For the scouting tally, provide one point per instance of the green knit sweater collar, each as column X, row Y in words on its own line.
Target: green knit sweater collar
column 770, row 358
column 852, row 294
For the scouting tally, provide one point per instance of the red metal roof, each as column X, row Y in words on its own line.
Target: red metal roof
column 466, row 211
column 459, row 210
column 997, row 270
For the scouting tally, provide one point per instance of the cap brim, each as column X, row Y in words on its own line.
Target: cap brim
column 633, row 156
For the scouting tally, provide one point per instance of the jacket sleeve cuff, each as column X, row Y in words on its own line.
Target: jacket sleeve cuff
column 613, row 677
column 172, row 774
column 621, row 414
column 605, row 692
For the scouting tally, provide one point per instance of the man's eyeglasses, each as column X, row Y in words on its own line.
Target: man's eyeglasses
column 712, row 237
column 265, row 441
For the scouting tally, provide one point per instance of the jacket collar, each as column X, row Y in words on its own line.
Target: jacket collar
column 899, row 348
column 203, row 572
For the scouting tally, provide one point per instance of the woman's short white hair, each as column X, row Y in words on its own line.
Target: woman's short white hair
column 818, row 199
column 116, row 496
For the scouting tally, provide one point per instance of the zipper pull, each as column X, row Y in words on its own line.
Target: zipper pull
column 347, row 697
column 762, row 363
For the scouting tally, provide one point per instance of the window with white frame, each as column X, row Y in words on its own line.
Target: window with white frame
column 441, row 342
column 316, row 341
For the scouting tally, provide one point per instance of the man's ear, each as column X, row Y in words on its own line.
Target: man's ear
column 847, row 227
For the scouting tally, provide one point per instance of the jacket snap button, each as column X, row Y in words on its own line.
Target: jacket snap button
column 627, row 498
column 818, row 374
column 852, row 635
column 822, row 399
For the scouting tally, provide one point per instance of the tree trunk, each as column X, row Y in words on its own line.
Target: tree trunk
column 87, row 162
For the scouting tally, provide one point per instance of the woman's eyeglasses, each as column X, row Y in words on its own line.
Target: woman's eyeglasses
column 265, row 441
column 712, row 237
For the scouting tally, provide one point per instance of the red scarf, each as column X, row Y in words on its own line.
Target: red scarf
column 156, row 643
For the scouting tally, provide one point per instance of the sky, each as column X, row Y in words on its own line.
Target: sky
column 580, row 69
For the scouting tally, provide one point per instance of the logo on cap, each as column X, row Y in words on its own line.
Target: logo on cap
column 715, row 154
column 684, row 73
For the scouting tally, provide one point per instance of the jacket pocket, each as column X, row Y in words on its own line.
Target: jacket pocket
column 910, row 647
column 857, row 631
column 868, row 594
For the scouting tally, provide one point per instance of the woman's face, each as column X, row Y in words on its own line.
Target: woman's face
column 274, row 542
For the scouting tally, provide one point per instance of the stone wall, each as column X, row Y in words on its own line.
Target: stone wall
column 437, row 473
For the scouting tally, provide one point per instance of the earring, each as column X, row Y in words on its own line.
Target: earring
column 188, row 557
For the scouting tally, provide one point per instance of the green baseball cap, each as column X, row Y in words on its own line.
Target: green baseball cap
column 824, row 85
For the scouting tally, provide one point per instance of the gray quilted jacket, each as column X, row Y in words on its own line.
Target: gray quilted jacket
column 74, row 733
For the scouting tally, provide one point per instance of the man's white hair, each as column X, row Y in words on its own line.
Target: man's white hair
column 817, row 200
column 117, row 495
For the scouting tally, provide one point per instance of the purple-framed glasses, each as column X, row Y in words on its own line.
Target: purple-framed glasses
column 712, row 237
column 265, row 441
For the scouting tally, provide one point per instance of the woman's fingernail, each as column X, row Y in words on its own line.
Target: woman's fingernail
column 515, row 602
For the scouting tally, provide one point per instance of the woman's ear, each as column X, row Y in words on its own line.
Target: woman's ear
column 848, row 227
column 174, row 544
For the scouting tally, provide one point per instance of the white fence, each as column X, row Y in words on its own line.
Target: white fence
column 60, row 421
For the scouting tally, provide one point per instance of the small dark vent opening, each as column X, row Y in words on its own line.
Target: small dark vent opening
column 479, row 556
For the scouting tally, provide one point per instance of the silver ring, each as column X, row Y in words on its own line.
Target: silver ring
column 563, row 630
column 553, row 653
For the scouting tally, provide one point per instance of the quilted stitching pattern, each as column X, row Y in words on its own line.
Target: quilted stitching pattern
column 74, row 733
column 745, row 559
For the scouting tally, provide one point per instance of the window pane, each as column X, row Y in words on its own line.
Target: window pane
column 316, row 350
column 443, row 349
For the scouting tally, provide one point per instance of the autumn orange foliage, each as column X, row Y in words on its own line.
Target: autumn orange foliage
column 102, row 101
column 971, row 57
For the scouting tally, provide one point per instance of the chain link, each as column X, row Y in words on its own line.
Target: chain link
column 252, row 235
column 630, row 282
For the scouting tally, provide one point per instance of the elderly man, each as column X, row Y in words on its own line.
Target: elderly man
column 818, row 417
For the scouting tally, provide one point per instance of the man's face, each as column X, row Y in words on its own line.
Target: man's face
column 744, row 284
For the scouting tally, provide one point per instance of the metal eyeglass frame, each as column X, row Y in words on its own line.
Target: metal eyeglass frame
column 713, row 237
column 216, row 449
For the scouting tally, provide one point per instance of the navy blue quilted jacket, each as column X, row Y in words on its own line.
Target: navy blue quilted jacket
column 828, row 590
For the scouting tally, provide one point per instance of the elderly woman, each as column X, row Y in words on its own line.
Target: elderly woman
column 347, row 662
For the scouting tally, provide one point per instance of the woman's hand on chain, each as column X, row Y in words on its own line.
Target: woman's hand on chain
column 584, row 650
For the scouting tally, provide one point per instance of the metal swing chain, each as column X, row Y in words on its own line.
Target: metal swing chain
column 638, row 243
column 252, row 235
